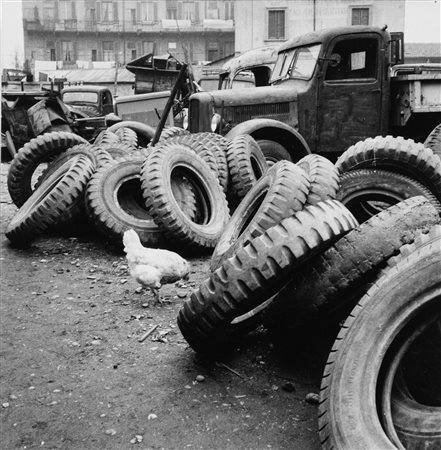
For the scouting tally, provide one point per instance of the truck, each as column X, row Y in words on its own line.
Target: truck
column 328, row 90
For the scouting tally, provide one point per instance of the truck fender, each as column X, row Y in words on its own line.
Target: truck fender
column 273, row 130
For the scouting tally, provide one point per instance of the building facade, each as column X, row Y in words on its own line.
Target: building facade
column 74, row 32
column 269, row 22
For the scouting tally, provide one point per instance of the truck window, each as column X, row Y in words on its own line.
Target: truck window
column 80, row 97
column 353, row 58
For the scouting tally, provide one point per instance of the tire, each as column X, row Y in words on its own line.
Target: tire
column 433, row 141
column 273, row 151
column 160, row 168
column 106, row 137
column 114, row 203
column 123, row 150
column 97, row 155
column 329, row 286
column 170, row 132
column 281, row 192
column 324, row 178
column 398, row 155
column 211, row 142
column 235, row 294
column 56, row 200
column 38, row 150
column 367, row 192
column 127, row 136
column 246, row 164
column 356, row 375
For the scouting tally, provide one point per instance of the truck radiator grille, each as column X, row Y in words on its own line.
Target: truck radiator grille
column 240, row 113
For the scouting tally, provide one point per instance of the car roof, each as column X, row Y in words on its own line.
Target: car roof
column 84, row 88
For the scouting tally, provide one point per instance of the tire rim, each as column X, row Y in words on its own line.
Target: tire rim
column 128, row 196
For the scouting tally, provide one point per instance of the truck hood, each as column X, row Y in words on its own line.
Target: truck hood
column 247, row 96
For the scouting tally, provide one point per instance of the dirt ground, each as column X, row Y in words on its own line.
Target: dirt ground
column 74, row 375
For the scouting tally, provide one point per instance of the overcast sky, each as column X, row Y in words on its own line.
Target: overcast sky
column 422, row 24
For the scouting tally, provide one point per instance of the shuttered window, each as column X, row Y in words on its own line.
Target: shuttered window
column 276, row 24
column 360, row 16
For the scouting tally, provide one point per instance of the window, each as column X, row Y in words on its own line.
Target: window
column 360, row 16
column 171, row 9
column 197, row 17
column 109, row 11
column 187, row 11
column 66, row 10
column 133, row 16
column 52, row 54
column 108, row 51
column 229, row 10
column 92, row 16
column 212, row 10
column 148, row 11
column 133, row 54
column 148, row 47
column 212, row 51
column 276, row 24
column 67, row 51
column 94, row 55
column 352, row 59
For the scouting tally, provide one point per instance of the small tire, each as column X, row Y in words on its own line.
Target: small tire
column 164, row 164
column 366, row 192
column 114, row 203
column 38, row 150
column 324, row 178
column 325, row 290
column 395, row 154
column 433, row 141
column 246, row 164
column 281, row 192
column 55, row 201
column 273, row 151
column 355, row 375
column 234, row 295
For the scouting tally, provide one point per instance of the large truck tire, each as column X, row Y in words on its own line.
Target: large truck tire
column 273, row 151
column 56, row 200
column 246, row 164
column 366, row 192
column 38, row 150
column 281, row 192
column 433, row 141
column 398, row 155
column 236, row 293
column 114, row 203
column 329, row 285
column 362, row 367
column 164, row 164
column 324, row 178
column 106, row 137
column 127, row 136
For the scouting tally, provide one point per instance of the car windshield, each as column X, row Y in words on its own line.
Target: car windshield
column 296, row 63
column 80, row 97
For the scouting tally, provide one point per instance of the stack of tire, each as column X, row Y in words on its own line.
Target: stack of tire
column 310, row 251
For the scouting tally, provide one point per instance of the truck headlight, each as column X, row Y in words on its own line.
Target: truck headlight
column 215, row 122
column 185, row 119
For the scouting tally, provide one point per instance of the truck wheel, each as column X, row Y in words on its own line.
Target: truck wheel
column 235, row 294
column 325, row 290
column 279, row 193
column 273, row 151
column 433, row 141
column 356, row 375
column 324, row 178
column 127, row 136
column 166, row 163
column 366, row 192
column 114, row 203
column 212, row 142
column 38, row 150
column 56, row 200
column 398, row 155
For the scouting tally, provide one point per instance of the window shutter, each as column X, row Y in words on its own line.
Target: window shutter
column 98, row 11
column 179, row 11
column 196, row 12
column 74, row 12
column 74, row 55
column 56, row 11
column 115, row 11
column 138, row 12
column 155, row 11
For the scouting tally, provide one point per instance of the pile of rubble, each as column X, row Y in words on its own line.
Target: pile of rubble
column 309, row 247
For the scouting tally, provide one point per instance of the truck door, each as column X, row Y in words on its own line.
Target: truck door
column 350, row 93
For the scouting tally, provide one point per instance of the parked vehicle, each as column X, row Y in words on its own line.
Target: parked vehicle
column 89, row 100
column 328, row 90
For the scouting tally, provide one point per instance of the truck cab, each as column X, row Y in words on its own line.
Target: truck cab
column 89, row 100
column 328, row 89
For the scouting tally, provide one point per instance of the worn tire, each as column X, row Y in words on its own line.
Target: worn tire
column 38, row 150
column 329, row 285
column 114, row 203
column 395, row 154
column 367, row 192
column 106, row 137
column 354, row 378
column 433, row 141
column 281, row 192
column 246, row 164
column 235, row 293
column 56, row 200
column 324, row 178
column 210, row 142
column 164, row 164
column 273, row 151
column 127, row 136
column 170, row 132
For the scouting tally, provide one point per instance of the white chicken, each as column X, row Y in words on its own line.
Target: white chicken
column 152, row 267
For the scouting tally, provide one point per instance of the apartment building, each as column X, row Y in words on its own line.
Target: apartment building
column 72, row 32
